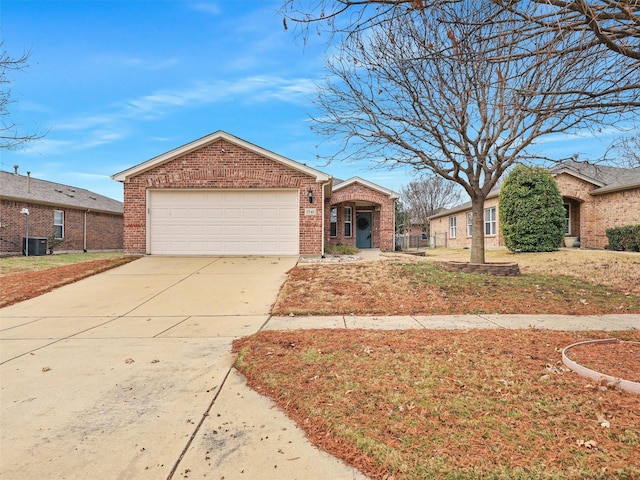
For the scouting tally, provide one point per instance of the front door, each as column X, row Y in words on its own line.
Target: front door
column 363, row 229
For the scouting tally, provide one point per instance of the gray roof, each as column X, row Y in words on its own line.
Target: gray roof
column 29, row 189
column 607, row 179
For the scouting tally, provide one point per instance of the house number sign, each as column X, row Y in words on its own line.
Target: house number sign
column 309, row 212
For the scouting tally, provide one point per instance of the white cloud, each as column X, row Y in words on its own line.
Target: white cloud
column 212, row 8
column 88, row 131
column 114, row 61
column 45, row 146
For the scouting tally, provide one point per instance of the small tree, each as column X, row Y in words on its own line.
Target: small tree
column 53, row 242
column 532, row 214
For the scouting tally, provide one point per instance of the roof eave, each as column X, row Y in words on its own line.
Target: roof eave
column 60, row 205
column 614, row 188
column 390, row 193
column 125, row 175
column 460, row 208
column 578, row 175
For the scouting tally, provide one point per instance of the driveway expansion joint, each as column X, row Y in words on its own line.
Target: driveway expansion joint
column 199, row 425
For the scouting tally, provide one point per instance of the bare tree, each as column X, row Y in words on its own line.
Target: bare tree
column 9, row 136
column 451, row 93
column 625, row 151
column 614, row 24
column 426, row 196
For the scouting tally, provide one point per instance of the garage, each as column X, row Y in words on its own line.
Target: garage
column 223, row 222
column 221, row 195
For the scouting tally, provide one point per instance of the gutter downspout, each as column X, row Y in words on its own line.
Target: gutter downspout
column 84, row 231
column 329, row 183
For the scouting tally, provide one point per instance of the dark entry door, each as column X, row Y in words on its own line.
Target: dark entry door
column 363, row 229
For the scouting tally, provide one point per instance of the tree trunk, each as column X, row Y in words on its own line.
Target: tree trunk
column 477, row 230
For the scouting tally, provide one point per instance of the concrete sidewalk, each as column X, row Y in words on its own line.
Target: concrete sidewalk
column 455, row 322
column 128, row 374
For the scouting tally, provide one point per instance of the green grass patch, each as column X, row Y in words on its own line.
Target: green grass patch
column 34, row 263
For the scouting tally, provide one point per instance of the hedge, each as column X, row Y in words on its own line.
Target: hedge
column 624, row 238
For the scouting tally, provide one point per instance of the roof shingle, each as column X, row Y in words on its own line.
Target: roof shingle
column 23, row 188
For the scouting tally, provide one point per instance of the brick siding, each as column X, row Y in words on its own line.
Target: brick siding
column 383, row 215
column 440, row 228
column 220, row 165
column 104, row 231
column 590, row 217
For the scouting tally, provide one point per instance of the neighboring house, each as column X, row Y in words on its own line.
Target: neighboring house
column 596, row 198
column 420, row 228
column 220, row 195
column 83, row 219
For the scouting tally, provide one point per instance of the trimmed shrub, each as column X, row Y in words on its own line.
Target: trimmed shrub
column 624, row 238
column 532, row 214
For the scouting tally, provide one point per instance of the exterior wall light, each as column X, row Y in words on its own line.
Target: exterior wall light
column 310, row 195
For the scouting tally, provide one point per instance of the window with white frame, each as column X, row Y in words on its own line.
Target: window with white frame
column 567, row 219
column 452, row 226
column 58, row 223
column 469, row 224
column 333, row 222
column 347, row 221
column 490, row 221
column 424, row 233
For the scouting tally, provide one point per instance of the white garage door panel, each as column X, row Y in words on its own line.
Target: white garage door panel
column 216, row 222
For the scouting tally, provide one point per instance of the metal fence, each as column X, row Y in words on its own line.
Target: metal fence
column 409, row 242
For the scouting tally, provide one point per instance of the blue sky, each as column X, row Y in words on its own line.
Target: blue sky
column 116, row 82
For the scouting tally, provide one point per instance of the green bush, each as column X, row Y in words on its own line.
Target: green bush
column 532, row 214
column 339, row 249
column 624, row 238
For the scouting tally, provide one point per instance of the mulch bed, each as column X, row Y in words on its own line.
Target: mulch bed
column 619, row 360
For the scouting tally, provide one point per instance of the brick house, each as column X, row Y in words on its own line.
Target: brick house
column 364, row 211
column 221, row 195
column 83, row 219
column 595, row 197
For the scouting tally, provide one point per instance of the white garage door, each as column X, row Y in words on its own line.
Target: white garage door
column 223, row 222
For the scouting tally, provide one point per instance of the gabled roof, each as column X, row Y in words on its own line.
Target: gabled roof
column 339, row 184
column 28, row 189
column 607, row 179
column 204, row 141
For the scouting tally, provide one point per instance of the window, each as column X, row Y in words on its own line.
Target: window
column 347, row 221
column 490, row 221
column 469, row 224
column 58, row 223
column 333, row 221
column 424, row 233
column 567, row 219
column 452, row 227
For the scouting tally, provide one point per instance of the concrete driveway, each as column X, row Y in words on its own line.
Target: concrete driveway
column 127, row 375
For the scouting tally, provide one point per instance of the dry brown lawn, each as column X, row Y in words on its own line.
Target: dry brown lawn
column 438, row 404
column 620, row 270
column 564, row 283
